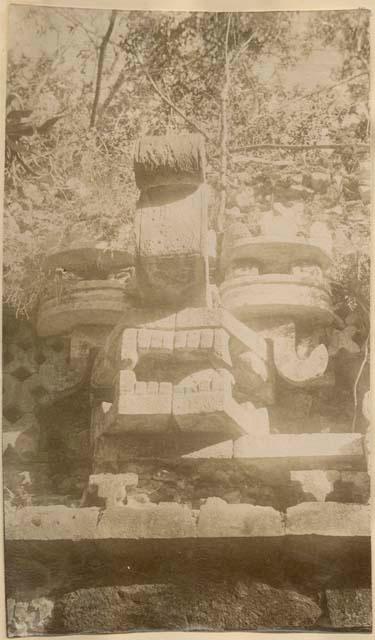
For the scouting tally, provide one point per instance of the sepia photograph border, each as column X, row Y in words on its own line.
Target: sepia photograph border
column 197, row 5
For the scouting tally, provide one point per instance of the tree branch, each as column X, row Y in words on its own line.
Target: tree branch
column 102, row 51
column 224, row 132
column 168, row 101
column 115, row 87
column 321, row 90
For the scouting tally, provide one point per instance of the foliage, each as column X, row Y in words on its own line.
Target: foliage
column 164, row 72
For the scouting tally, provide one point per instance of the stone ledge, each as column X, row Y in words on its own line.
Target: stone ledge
column 328, row 519
column 286, row 296
column 312, row 449
column 263, row 250
column 91, row 302
column 215, row 519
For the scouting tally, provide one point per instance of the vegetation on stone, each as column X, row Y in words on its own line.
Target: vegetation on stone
column 168, row 73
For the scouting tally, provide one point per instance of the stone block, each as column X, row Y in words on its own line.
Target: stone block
column 174, row 228
column 13, row 404
column 112, row 488
column 83, row 254
column 161, row 161
column 318, row 483
column 22, row 365
column 209, row 406
column 90, row 302
column 165, row 520
column 24, row 436
column 277, row 295
column 138, row 406
column 56, row 379
column 29, row 618
column 328, row 519
column 83, row 340
column 245, row 199
column 173, row 251
column 365, row 193
column 51, row 523
column 359, row 483
column 218, row 519
column 272, row 253
column 350, row 608
column 222, row 450
column 343, row 339
column 320, row 181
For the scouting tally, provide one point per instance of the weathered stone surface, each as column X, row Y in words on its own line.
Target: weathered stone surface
column 98, row 302
column 320, row 181
column 169, row 160
column 356, row 484
column 222, row 450
column 219, row 519
column 183, row 344
column 309, row 450
column 137, row 406
column 29, row 618
column 165, row 520
column 176, row 227
column 271, row 252
column 80, row 252
column 365, row 193
column 350, row 608
column 328, row 519
column 279, row 295
column 111, row 488
column 343, row 339
column 245, row 199
column 210, row 406
column 23, row 439
column 173, row 251
column 289, row 366
column 185, row 606
column 51, row 523
column 82, row 341
column 22, row 365
column 201, row 402
column 317, row 483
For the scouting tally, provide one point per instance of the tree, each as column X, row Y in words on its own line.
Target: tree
column 115, row 77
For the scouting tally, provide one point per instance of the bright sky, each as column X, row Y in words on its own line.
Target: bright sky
column 23, row 39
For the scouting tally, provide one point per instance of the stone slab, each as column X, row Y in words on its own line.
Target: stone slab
column 277, row 296
column 165, row 520
column 51, row 523
column 328, row 519
column 304, row 450
column 218, row 519
column 276, row 252
column 92, row 302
